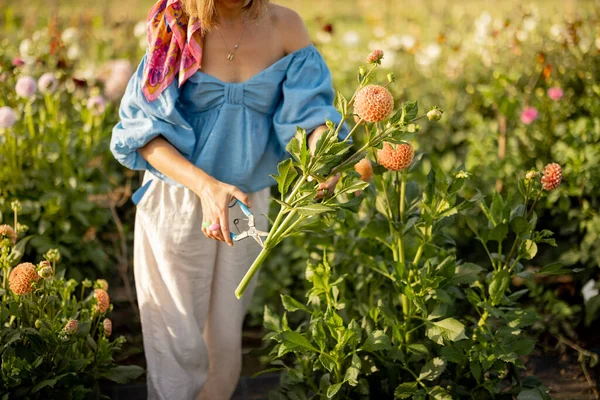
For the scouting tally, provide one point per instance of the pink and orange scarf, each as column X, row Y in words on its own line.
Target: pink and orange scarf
column 175, row 46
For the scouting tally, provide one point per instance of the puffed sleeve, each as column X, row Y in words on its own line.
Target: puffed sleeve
column 308, row 97
column 141, row 121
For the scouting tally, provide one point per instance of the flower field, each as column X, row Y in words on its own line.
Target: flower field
column 461, row 242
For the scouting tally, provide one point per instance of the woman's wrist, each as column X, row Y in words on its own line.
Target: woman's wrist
column 198, row 179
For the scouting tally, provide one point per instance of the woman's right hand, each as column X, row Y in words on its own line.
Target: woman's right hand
column 215, row 197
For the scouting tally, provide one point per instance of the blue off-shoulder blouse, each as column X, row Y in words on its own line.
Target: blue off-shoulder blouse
column 235, row 132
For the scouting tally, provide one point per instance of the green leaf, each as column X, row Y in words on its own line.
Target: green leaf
column 448, row 329
column 123, row 373
column 296, row 342
column 475, row 370
column 530, row 394
column 519, row 225
column 333, row 389
column 498, row 286
column 313, row 209
column 377, row 340
column 433, row 369
column 49, row 382
column 352, row 372
column 523, row 346
column 291, row 304
column 410, row 110
column 499, row 233
column 554, row 269
column 271, row 320
column 467, row 273
column 439, row 393
column 353, row 204
column 327, row 362
column 406, row 390
column 528, row 249
column 17, row 252
column 286, row 175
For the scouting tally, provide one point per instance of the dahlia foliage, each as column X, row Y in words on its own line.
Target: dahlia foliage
column 393, row 311
column 54, row 337
column 298, row 180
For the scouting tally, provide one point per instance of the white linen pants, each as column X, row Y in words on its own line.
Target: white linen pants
column 185, row 282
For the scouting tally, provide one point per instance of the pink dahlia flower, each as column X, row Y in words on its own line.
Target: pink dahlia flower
column 555, row 93
column 26, row 87
column 7, row 117
column 47, row 83
column 528, row 115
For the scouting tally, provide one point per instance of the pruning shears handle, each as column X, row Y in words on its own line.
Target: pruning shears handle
column 247, row 213
column 244, row 208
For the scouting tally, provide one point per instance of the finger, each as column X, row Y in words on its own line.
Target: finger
column 225, row 227
column 241, row 196
column 217, row 233
column 331, row 182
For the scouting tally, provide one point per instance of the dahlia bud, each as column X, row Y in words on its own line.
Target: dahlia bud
column 552, row 176
column 390, row 77
column 435, row 114
column 86, row 283
column 373, row 103
column 71, row 327
column 395, row 159
column 462, row 175
column 362, row 70
column 375, row 57
column 532, row 175
column 107, row 327
column 102, row 300
column 22, row 228
column 21, row 278
column 102, row 284
column 365, row 169
column 38, row 323
column 16, row 206
column 45, row 272
column 7, row 232
column 52, row 255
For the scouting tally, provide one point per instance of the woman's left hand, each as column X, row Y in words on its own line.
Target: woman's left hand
column 327, row 187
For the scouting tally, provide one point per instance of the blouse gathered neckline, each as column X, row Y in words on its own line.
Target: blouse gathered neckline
column 262, row 72
column 237, row 132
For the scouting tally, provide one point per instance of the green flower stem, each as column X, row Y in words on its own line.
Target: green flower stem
column 275, row 234
column 419, row 252
column 251, row 272
column 390, row 216
column 526, row 215
column 352, row 130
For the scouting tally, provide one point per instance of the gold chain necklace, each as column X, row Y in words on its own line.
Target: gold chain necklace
column 231, row 53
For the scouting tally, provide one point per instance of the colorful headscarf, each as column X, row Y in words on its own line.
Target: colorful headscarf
column 175, row 46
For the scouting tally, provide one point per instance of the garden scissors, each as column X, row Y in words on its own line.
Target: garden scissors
column 251, row 231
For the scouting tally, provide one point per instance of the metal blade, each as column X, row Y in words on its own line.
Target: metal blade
column 259, row 240
column 262, row 233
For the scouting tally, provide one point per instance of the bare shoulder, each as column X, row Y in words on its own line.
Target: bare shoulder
column 290, row 26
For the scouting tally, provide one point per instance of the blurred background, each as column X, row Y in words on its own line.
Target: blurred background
column 518, row 82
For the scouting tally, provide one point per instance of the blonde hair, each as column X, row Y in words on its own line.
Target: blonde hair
column 206, row 11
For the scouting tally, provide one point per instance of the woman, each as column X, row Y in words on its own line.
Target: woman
column 247, row 77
